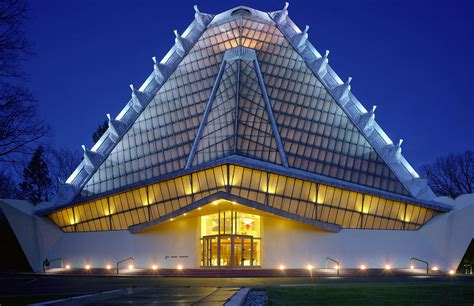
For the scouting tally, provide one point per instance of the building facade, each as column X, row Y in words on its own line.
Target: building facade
column 244, row 149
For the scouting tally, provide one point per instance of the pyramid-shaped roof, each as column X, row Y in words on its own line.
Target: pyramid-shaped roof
column 245, row 87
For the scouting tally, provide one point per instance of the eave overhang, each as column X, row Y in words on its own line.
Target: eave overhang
column 264, row 166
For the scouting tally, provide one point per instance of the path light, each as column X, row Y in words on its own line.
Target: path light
column 199, row 208
column 108, row 267
column 87, row 267
column 451, row 272
column 388, row 267
column 171, row 219
column 282, row 267
column 179, row 267
column 130, row 267
column 154, row 267
column 309, row 267
column 184, row 214
column 435, row 268
column 363, row 267
column 336, row 267
column 68, row 267
column 412, row 267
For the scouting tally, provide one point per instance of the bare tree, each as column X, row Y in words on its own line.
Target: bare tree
column 8, row 187
column 451, row 175
column 20, row 128
column 61, row 162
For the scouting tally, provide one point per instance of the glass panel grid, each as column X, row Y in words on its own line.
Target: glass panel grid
column 302, row 198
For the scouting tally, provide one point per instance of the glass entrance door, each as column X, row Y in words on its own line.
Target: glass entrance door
column 228, row 251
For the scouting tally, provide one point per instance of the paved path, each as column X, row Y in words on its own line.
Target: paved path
column 155, row 296
column 181, row 290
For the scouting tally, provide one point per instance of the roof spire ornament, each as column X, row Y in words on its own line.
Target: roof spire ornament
column 112, row 129
column 159, row 70
column 398, row 150
column 180, row 43
column 300, row 39
column 342, row 91
column 322, row 64
column 281, row 16
column 136, row 105
column 200, row 21
column 367, row 121
column 88, row 159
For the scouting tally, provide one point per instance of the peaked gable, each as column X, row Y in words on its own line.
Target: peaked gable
column 290, row 109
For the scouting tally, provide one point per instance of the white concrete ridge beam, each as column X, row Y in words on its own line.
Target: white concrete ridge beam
column 419, row 187
column 65, row 192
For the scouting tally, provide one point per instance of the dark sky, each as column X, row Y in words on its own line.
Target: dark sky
column 413, row 59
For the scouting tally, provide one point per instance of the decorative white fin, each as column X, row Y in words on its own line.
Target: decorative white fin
column 342, row 91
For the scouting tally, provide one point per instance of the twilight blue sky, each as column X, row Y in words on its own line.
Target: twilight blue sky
column 413, row 59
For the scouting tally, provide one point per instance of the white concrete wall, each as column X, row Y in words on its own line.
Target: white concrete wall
column 442, row 242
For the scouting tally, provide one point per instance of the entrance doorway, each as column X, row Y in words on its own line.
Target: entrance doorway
column 230, row 239
column 230, row 251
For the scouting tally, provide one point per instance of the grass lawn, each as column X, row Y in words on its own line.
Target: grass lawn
column 374, row 294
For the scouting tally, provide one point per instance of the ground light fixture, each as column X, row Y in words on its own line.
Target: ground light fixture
column 363, row 267
column 179, row 267
column 435, row 268
column 281, row 267
column 451, row 272
column 108, row 267
column 388, row 267
column 309, row 267
column 336, row 267
column 87, row 267
column 68, row 267
column 154, row 267
column 412, row 267
column 130, row 267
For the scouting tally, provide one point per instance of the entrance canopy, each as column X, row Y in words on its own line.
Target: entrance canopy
column 224, row 201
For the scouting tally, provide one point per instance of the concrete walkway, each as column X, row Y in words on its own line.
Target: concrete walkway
column 153, row 296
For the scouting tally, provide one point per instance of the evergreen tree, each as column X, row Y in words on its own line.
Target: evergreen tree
column 36, row 180
column 100, row 131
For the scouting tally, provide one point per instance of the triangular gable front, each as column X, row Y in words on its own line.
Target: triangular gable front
column 314, row 132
